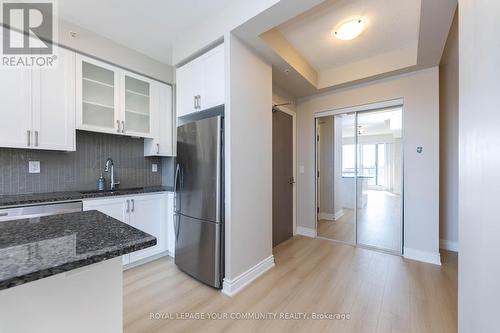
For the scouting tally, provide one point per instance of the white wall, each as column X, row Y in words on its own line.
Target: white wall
column 479, row 158
column 448, row 108
column 106, row 49
column 420, row 91
column 248, row 159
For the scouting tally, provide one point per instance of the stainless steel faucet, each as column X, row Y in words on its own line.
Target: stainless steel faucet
column 109, row 167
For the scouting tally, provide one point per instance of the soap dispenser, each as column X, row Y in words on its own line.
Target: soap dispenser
column 101, row 183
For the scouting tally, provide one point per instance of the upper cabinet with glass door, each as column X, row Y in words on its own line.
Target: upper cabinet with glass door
column 97, row 96
column 137, row 105
column 112, row 100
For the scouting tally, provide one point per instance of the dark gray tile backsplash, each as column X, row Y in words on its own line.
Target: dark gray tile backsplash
column 68, row 171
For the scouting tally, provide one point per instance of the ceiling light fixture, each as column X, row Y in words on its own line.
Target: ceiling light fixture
column 349, row 29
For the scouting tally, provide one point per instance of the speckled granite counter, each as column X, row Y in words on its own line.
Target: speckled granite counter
column 40, row 198
column 32, row 249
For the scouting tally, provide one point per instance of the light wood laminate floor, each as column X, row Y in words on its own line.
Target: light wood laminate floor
column 379, row 223
column 381, row 293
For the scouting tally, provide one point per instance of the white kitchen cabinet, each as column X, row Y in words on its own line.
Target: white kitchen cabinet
column 162, row 143
column 136, row 112
column 200, row 83
column 113, row 100
column 38, row 106
column 212, row 76
column 54, row 104
column 97, row 96
column 15, row 113
column 146, row 212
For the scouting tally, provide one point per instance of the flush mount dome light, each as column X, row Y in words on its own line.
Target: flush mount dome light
column 349, row 29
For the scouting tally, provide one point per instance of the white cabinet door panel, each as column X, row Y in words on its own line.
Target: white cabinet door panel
column 147, row 214
column 213, row 79
column 54, row 104
column 15, row 112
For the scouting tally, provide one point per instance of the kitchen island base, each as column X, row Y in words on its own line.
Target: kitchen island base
column 87, row 299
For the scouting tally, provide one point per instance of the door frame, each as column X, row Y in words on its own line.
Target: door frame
column 359, row 109
column 294, row 162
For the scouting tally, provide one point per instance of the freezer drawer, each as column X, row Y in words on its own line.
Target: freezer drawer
column 198, row 249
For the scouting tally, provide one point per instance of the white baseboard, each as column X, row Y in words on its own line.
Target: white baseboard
column 448, row 245
column 424, row 256
column 232, row 287
column 326, row 216
column 308, row 232
column 338, row 214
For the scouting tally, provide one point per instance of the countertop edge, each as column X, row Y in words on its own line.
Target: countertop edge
column 44, row 273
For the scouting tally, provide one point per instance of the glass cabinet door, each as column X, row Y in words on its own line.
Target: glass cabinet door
column 137, row 106
column 98, row 97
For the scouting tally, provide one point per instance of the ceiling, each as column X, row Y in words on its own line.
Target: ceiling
column 148, row 26
column 391, row 25
column 402, row 36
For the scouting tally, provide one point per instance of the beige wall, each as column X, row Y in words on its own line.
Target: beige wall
column 281, row 96
column 420, row 91
column 93, row 44
column 448, row 109
column 248, row 159
column 479, row 162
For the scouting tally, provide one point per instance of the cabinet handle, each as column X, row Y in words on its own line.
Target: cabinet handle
column 133, row 205
column 123, row 126
column 36, row 138
column 199, row 101
column 118, row 126
column 158, row 148
column 29, row 138
column 128, row 206
column 195, row 98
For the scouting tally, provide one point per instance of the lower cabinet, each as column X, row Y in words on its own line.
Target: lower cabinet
column 151, row 213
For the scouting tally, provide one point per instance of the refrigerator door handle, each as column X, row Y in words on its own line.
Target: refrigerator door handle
column 176, row 178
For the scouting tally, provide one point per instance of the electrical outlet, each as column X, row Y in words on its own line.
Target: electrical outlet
column 34, row 167
column 154, row 167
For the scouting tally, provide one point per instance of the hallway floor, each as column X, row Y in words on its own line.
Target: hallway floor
column 379, row 223
column 380, row 292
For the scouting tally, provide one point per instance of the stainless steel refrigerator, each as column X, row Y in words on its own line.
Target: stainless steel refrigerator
column 199, row 200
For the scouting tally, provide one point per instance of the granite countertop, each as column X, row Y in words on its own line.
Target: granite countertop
column 35, row 198
column 32, row 249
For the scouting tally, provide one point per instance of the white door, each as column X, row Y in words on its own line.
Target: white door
column 212, row 78
column 147, row 213
column 97, row 96
column 188, row 80
column 116, row 208
column 54, row 104
column 15, row 111
column 136, row 111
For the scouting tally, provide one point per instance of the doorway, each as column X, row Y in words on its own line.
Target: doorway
column 359, row 165
column 283, row 175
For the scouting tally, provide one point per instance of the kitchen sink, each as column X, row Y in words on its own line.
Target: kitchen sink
column 108, row 192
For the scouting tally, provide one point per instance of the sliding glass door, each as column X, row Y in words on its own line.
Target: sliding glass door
column 336, row 188
column 359, row 178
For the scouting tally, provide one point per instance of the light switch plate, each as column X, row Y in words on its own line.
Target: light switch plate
column 154, row 167
column 34, row 166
